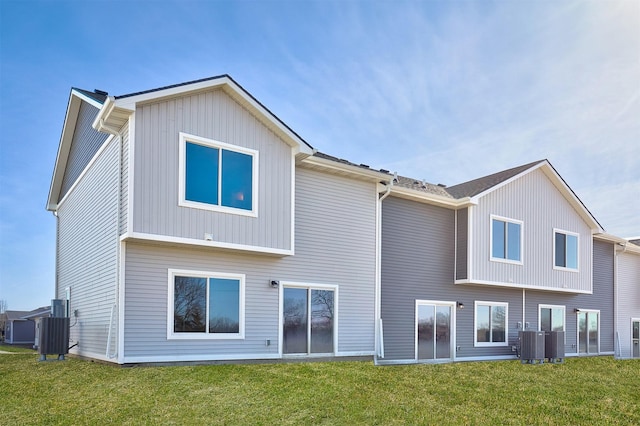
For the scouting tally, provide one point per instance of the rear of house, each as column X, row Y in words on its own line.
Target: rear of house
column 194, row 225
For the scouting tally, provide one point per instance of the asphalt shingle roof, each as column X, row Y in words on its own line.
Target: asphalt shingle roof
column 97, row 95
column 477, row 186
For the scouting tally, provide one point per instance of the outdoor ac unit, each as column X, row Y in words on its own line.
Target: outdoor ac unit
column 532, row 345
column 54, row 337
column 554, row 346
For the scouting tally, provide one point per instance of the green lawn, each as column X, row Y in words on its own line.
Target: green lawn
column 582, row 391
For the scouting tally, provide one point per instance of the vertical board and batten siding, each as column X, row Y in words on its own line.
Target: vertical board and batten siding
column 534, row 200
column 335, row 244
column 213, row 115
column 87, row 252
column 417, row 264
column 628, row 295
column 602, row 299
column 85, row 144
column 462, row 243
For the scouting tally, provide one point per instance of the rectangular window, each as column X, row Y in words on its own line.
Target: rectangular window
column 506, row 239
column 565, row 250
column 491, row 319
column 551, row 317
column 205, row 305
column 217, row 176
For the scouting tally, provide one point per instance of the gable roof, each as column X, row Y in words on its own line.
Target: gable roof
column 482, row 184
column 117, row 109
column 15, row 315
column 76, row 98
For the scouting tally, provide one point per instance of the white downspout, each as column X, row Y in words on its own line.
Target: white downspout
column 379, row 338
column 117, row 133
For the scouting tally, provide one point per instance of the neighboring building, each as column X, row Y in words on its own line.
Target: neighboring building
column 194, row 225
column 21, row 326
column 515, row 249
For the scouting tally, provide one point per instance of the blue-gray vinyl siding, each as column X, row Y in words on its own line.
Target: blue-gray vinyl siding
column 335, row 245
column 462, row 243
column 602, row 299
column 534, row 200
column 85, row 144
column 418, row 264
column 87, row 252
column 215, row 116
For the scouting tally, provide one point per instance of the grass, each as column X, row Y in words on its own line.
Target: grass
column 581, row 391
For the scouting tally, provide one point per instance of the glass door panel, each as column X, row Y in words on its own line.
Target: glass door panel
column 582, row 332
column 426, row 331
column 443, row 332
column 322, row 321
column 294, row 336
column 635, row 341
column 593, row 332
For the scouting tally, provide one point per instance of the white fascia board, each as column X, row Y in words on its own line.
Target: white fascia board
column 233, row 90
column 436, row 200
column 70, row 119
column 87, row 99
column 333, row 166
column 621, row 244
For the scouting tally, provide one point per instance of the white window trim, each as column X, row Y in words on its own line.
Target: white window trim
column 171, row 335
column 183, row 202
column 506, row 219
column 308, row 286
column 562, row 268
column 580, row 310
column 564, row 316
column 475, row 323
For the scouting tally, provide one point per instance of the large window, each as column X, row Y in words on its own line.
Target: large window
column 565, row 250
column 491, row 319
column 217, row 176
column 205, row 305
column 551, row 317
column 506, row 239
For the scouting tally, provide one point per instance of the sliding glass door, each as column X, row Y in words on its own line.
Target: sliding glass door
column 308, row 320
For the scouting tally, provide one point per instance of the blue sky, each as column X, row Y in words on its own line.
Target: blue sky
column 441, row 91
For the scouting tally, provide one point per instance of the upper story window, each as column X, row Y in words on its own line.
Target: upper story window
column 205, row 305
column 218, row 176
column 506, row 239
column 565, row 250
column 491, row 319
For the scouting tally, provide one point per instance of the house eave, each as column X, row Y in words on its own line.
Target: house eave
column 70, row 119
column 230, row 87
column 433, row 199
column 343, row 169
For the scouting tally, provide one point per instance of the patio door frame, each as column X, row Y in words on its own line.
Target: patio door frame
column 452, row 330
column 308, row 287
